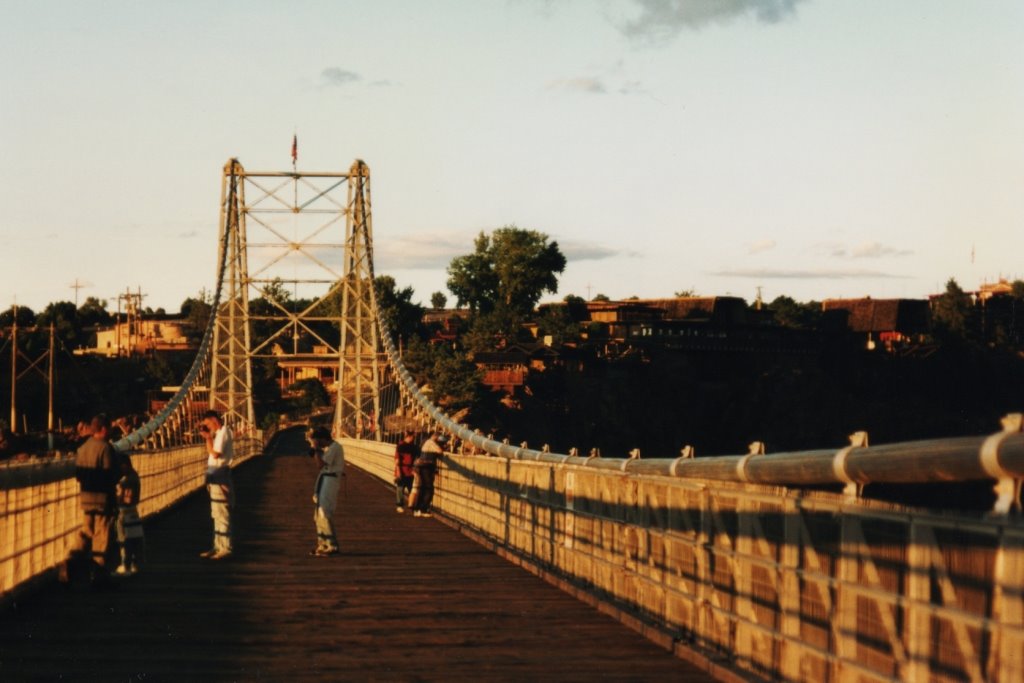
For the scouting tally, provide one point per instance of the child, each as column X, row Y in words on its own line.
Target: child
column 129, row 525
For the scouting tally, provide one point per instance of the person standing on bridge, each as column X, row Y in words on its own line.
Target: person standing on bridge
column 406, row 453
column 425, row 467
column 97, row 471
column 331, row 458
column 220, row 450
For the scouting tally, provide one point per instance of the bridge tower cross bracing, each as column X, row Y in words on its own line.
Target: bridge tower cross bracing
column 357, row 411
column 231, row 371
column 296, row 294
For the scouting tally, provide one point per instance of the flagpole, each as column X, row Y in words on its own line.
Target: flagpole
column 295, row 173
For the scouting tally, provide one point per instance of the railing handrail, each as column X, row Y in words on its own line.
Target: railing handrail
column 971, row 458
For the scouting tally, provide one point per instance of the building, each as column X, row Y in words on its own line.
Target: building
column 320, row 364
column 136, row 337
column 894, row 323
column 507, row 368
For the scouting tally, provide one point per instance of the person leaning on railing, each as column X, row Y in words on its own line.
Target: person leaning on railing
column 425, row 467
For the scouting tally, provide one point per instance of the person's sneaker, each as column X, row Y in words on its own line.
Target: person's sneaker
column 208, row 553
column 122, row 571
column 220, row 555
column 426, row 514
column 326, row 552
column 399, row 509
column 417, row 514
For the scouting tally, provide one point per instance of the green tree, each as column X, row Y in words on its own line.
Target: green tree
column 510, row 269
column 311, row 394
column 93, row 312
column 197, row 311
column 471, row 278
column 455, row 381
column 396, row 307
column 26, row 316
column 686, row 293
column 438, row 300
column 953, row 314
column 556, row 322
column 791, row 313
column 601, row 297
column 64, row 317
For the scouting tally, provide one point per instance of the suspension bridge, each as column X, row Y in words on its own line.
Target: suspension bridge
column 751, row 566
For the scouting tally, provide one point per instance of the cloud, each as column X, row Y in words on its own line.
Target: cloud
column 877, row 250
column 760, row 246
column 426, row 251
column 585, row 84
column 661, row 20
column 810, row 274
column 632, row 88
column 333, row 76
column 435, row 251
column 866, row 250
column 584, row 251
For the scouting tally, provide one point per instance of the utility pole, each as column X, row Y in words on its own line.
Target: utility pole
column 49, row 414
column 76, row 285
column 14, row 370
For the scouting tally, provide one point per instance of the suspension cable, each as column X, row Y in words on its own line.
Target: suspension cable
column 136, row 437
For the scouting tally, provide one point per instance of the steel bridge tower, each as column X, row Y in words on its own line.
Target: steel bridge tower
column 298, row 293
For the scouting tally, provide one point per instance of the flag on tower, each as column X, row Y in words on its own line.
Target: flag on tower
column 295, row 148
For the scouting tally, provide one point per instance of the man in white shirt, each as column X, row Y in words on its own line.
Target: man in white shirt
column 220, row 450
column 331, row 458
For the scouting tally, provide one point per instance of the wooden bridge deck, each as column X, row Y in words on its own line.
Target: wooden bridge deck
column 408, row 599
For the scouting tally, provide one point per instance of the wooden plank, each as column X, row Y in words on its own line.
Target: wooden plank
column 407, row 598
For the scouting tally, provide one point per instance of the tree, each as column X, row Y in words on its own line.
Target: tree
column 64, row 317
column 438, row 300
column 601, row 297
column 455, row 381
column 471, row 278
column 197, row 311
column 686, row 293
column 94, row 313
column 791, row 313
column 26, row 316
column 396, row 307
column 556, row 322
column 510, row 270
column 953, row 314
column 310, row 394
column 276, row 293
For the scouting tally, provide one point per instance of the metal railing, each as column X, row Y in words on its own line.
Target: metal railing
column 783, row 584
column 39, row 511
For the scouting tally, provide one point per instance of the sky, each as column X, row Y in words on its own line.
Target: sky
column 808, row 148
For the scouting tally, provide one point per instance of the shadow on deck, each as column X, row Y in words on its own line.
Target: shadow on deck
column 408, row 599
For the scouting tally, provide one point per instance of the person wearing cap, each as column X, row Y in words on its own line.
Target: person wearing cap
column 331, row 458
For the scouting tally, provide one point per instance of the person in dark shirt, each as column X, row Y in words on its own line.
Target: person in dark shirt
column 97, row 472
column 405, row 455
